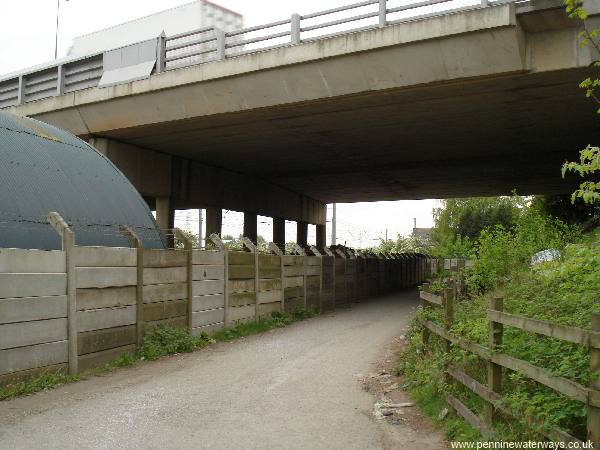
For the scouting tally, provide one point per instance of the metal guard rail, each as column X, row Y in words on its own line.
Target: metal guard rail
column 211, row 44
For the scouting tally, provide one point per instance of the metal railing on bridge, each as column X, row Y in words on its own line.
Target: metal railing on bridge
column 212, row 44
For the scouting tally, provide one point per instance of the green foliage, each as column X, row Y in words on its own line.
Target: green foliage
column 459, row 222
column 466, row 217
column 565, row 291
column 404, row 244
column 561, row 207
column 43, row 382
column 589, row 163
column 589, row 157
column 276, row 320
column 167, row 340
column 191, row 237
column 501, row 251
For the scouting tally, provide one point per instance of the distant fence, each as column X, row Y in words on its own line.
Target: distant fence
column 81, row 307
column 496, row 361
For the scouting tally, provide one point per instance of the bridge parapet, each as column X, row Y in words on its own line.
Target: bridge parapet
column 212, row 44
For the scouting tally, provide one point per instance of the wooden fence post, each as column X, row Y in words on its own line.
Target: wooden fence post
column 187, row 247
column 494, row 370
column 448, row 299
column 136, row 243
column 68, row 246
column 448, row 314
column 593, row 412
column 424, row 305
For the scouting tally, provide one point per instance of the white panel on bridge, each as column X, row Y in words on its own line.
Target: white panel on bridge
column 131, row 63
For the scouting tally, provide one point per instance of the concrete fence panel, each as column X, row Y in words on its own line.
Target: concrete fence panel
column 33, row 312
column 208, row 291
column 106, row 280
column 270, row 288
column 241, row 287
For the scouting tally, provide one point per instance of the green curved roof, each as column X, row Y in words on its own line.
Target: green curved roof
column 44, row 169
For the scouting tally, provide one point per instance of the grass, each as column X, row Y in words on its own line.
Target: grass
column 163, row 341
column 42, row 382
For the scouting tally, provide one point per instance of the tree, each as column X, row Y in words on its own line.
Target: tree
column 589, row 157
column 459, row 222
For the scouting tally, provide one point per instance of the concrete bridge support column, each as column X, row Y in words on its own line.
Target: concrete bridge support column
column 279, row 232
column 250, row 226
column 302, row 233
column 321, row 236
column 214, row 221
column 165, row 214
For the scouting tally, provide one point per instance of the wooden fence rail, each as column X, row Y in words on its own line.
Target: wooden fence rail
column 497, row 361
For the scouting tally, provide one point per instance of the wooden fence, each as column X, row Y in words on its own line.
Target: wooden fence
column 497, row 361
column 81, row 307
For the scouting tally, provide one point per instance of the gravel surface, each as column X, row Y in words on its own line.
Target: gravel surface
column 292, row 388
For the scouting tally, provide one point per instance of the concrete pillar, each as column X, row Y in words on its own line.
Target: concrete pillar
column 279, row 232
column 250, row 226
column 321, row 236
column 165, row 216
column 302, row 233
column 214, row 221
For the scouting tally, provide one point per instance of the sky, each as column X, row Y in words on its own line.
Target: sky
column 28, row 32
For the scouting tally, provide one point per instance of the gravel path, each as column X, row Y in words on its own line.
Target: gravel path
column 290, row 388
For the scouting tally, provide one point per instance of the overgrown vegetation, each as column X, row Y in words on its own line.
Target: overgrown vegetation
column 43, row 382
column 565, row 291
column 164, row 340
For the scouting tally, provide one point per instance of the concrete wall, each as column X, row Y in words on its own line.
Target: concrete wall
column 122, row 293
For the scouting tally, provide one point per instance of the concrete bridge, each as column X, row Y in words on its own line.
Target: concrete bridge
column 472, row 100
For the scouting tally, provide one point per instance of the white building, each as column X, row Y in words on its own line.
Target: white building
column 191, row 16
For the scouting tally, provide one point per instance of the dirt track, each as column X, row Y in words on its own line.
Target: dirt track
column 292, row 388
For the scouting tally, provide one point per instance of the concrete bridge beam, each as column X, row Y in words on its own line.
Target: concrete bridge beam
column 188, row 184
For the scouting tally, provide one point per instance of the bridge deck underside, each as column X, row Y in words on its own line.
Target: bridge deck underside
column 480, row 137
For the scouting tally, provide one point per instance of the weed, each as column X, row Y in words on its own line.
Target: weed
column 42, row 382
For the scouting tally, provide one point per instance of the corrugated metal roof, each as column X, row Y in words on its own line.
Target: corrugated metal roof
column 43, row 169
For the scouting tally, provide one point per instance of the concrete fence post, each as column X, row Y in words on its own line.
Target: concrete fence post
column 216, row 240
column 593, row 412
column 295, row 29
column 315, row 251
column 494, row 371
column 136, row 243
column 382, row 13
column 68, row 246
column 188, row 248
column 221, row 44
column 274, row 248
column 252, row 249
column 328, row 252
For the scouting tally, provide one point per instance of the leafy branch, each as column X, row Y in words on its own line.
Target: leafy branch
column 589, row 157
